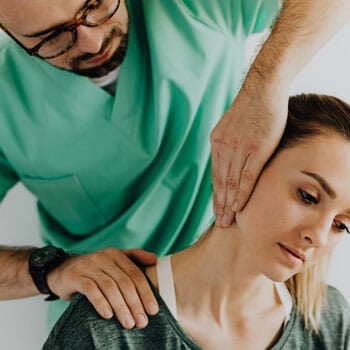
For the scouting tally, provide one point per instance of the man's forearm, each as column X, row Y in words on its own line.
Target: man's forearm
column 302, row 28
column 15, row 280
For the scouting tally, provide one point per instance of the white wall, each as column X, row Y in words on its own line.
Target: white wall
column 22, row 323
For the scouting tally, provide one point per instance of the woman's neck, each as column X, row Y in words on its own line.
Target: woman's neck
column 220, row 294
column 215, row 277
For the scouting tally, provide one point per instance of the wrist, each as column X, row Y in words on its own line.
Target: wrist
column 42, row 261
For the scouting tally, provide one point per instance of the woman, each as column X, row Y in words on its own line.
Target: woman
column 260, row 283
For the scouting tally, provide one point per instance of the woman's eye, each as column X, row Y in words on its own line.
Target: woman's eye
column 341, row 227
column 307, row 198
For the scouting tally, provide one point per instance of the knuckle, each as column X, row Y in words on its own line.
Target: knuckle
column 232, row 183
column 125, row 283
column 220, row 184
column 217, row 137
column 107, row 284
column 247, row 174
column 135, row 274
column 253, row 147
column 87, row 286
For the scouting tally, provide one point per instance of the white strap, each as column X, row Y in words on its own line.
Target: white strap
column 166, row 283
column 286, row 299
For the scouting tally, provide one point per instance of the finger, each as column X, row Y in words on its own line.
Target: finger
column 141, row 256
column 121, row 294
column 233, row 181
column 228, row 160
column 89, row 288
column 215, row 160
column 224, row 156
column 128, row 290
column 249, row 175
column 120, row 308
column 116, row 301
column 139, row 281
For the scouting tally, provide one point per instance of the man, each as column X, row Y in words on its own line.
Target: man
column 108, row 125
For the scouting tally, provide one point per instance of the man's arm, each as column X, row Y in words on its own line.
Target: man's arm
column 251, row 128
column 109, row 278
column 15, row 281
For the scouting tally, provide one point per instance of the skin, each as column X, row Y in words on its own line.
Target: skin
column 243, row 310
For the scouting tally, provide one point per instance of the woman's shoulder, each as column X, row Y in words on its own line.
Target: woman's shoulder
column 333, row 331
column 334, row 327
column 81, row 327
column 335, row 296
column 77, row 325
column 336, row 312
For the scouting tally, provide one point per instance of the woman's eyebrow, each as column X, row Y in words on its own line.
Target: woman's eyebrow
column 323, row 183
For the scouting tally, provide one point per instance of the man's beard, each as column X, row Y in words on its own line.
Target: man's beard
column 106, row 67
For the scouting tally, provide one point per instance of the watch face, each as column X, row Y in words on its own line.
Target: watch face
column 43, row 256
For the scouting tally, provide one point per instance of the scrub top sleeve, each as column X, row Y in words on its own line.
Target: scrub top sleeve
column 8, row 178
column 233, row 17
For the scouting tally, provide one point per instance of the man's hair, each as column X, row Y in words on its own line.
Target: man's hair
column 311, row 115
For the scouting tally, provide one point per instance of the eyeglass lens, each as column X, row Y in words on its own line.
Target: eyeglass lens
column 97, row 12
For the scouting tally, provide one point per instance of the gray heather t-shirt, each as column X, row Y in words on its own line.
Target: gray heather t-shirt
column 80, row 327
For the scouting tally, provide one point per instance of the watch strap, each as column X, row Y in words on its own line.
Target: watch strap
column 39, row 276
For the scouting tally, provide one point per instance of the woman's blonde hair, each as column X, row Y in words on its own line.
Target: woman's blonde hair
column 308, row 290
column 310, row 115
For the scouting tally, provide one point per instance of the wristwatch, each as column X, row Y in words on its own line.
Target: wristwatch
column 41, row 262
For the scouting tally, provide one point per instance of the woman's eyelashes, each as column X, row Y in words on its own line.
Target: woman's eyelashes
column 307, row 198
column 341, row 227
column 310, row 199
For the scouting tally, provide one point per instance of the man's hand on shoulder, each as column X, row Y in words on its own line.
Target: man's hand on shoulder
column 111, row 281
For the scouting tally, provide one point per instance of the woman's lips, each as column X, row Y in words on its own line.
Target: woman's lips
column 293, row 255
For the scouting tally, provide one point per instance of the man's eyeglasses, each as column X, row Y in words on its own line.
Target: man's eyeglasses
column 63, row 37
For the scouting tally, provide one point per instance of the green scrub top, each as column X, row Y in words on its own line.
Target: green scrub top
column 130, row 170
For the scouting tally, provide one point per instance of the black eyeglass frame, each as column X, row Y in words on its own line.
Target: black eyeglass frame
column 80, row 19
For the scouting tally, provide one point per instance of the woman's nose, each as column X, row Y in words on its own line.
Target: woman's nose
column 90, row 39
column 317, row 232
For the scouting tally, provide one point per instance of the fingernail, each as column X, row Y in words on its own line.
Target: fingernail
column 152, row 308
column 107, row 312
column 129, row 322
column 141, row 321
column 235, row 205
